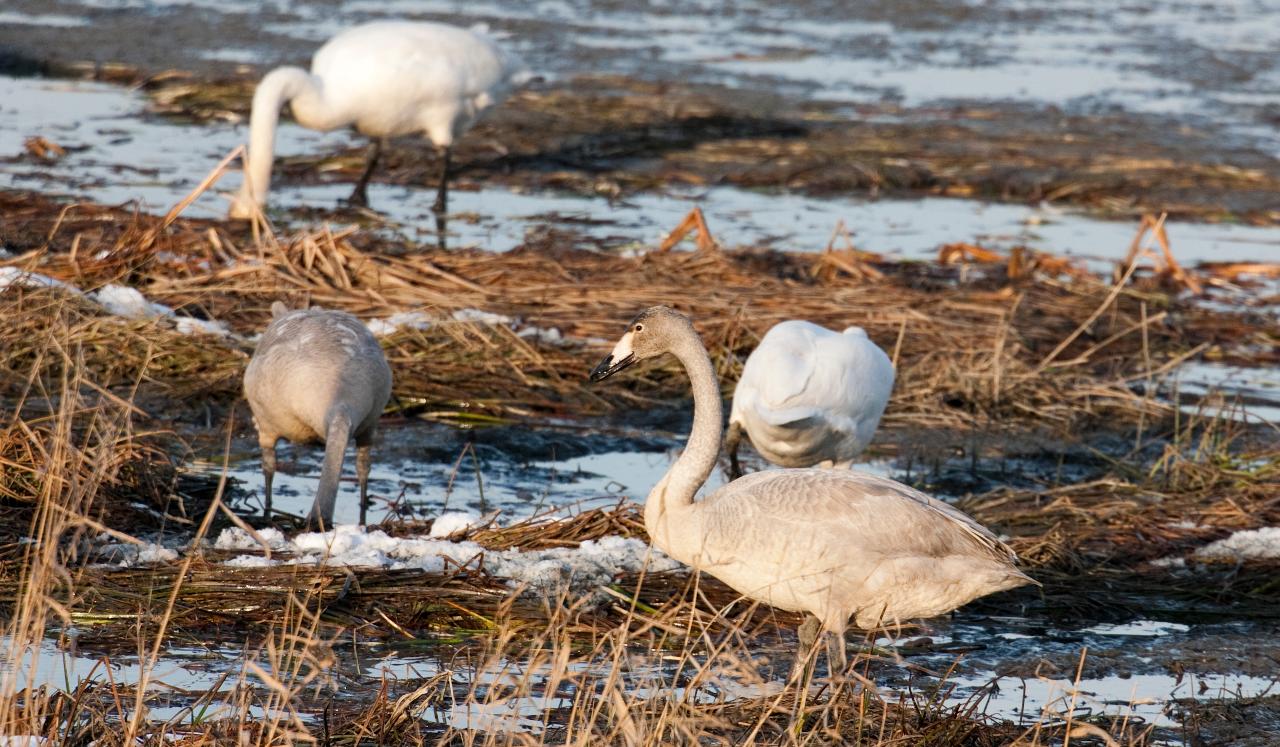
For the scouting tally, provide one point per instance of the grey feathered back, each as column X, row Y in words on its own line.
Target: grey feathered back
column 317, row 374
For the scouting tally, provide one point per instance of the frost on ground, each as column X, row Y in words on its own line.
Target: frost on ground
column 591, row 564
column 1250, row 544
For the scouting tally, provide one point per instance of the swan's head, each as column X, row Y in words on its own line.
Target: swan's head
column 655, row 331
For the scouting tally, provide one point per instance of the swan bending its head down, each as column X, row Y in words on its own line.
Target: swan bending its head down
column 809, row 396
column 318, row 375
column 831, row 543
column 387, row 78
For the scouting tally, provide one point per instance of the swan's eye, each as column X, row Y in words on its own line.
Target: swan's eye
column 639, row 328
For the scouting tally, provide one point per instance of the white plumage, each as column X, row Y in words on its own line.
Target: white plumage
column 387, row 79
column 835, row 544
column 810, row 396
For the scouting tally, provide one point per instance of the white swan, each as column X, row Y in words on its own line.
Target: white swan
column 387, row 78
column 317, row 375
column 831, row 543
column 809, row 396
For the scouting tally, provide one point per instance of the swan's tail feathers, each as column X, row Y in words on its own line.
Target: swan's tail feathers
column 337, row 433
column 1024, row 579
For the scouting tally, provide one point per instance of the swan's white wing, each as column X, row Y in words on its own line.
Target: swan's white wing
column 400, row 65
column 809, row 395
column 801, row 370
column 872, row 513
column 779, row 369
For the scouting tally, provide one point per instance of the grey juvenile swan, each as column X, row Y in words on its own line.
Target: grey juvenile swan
column 317, row 375
column 831, row 543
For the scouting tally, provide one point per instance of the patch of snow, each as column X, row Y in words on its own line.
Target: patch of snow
column 117, row 300
column 1249, row 544
column 401, row 320
column 591, row 564
column 130, row 556
column 15, row 276
column 453, row 522
column 129, row 303
column 189, row 325
column 23, row 740
column 251, row 561
column 548, row 335
column 422, row 320
column 483, row 317
column 1169, row 562
column 235, row 538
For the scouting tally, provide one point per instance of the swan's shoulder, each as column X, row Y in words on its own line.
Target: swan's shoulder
column 877, row 513
column 317, row 334
column 780, row 367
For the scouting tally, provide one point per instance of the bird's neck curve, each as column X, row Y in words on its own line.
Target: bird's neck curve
column 675, row 491
column 305, row 95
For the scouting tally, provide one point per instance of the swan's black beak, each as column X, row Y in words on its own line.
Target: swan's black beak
column 608, row 368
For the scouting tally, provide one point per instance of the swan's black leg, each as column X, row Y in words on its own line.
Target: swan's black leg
column 363, row 461
column 360, row 197
column 268, row 474
column 442, row 194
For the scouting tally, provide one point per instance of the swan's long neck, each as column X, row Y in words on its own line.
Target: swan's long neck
column 675, row 491
column 305, row 94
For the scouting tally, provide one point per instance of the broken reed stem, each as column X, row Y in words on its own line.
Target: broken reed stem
column 1115, row 291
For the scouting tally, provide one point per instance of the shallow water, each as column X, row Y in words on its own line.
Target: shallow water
column 117, row 154
column 1207, row 64
column 1018, row 669
column 1251, row 394
column 481, row 481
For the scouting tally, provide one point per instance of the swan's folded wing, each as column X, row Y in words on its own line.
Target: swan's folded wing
column 779, row 370
column 875, row 513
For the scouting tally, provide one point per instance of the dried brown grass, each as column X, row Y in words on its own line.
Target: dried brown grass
column 972, row 344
